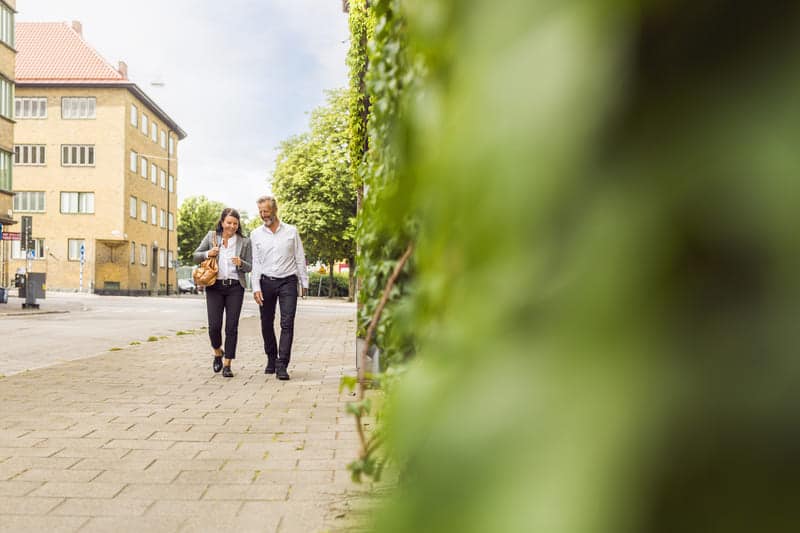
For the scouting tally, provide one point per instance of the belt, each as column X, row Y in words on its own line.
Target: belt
column 228, row 282
column 273, row 278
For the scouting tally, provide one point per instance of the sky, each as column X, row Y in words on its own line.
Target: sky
column 238, row 76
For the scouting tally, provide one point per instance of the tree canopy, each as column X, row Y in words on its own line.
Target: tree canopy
column 196, row 216
column 314, row 185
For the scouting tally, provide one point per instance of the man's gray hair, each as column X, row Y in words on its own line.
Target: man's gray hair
column 270, row 199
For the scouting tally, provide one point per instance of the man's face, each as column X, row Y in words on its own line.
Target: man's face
column 266, row 213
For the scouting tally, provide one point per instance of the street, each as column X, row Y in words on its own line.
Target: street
column 84, row 325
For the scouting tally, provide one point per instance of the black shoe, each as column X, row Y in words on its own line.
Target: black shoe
column 281, row 373
column 226, row 372
column 270, row 368
column 217, row 363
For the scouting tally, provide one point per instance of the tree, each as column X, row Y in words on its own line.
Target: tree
column 315, row 187
column 196, row 216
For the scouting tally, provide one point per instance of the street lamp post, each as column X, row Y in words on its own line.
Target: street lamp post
column 169, row 161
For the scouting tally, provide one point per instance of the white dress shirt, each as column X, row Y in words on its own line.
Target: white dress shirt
column 227, row 270
column 278, row 254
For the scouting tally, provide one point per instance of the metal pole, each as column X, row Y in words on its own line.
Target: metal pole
column 169, row 157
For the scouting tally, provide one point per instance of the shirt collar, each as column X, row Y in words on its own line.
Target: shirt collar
column 266, row 229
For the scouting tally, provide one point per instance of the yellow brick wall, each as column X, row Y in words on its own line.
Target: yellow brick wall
column 109, row 231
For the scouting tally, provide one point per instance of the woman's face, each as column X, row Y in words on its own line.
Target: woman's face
column 230, row 225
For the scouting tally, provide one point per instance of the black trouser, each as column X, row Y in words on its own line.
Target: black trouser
column 224, row 296
column 283, row 291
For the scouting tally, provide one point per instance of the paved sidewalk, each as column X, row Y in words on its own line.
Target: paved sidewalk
column 149, row 439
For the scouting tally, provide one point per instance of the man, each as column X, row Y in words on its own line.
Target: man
column 279, row 266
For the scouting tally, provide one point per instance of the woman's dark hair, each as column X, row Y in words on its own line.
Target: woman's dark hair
column 229, row 211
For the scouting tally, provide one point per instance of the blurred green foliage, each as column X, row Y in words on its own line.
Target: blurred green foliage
column 604, row 198
column 385, row 223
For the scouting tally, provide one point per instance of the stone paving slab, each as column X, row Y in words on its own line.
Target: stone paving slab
column 150, row 439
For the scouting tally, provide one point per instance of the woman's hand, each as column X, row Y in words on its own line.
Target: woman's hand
column 236, row 261
column 213, row 252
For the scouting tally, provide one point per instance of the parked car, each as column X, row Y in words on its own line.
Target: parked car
column 186, row 286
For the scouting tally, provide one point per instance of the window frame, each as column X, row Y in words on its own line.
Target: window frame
column 77, row 251
column 27, row 194
column 20, row 150
column 77, row 152
column 80, row 201
column 21, row 100
column 77, row 108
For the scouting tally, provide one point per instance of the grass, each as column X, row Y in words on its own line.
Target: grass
column 115, row 349
column 134, row 343
column 152, row 338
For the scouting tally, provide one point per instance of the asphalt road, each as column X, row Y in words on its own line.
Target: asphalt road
column 83, row 325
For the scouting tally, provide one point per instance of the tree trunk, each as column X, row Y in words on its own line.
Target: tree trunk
column 351, row 275
column 330, row 285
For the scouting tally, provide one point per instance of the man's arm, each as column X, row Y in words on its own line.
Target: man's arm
column 300, row 260
column 257, row 268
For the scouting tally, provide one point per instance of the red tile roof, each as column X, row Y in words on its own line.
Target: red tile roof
column 55, row 52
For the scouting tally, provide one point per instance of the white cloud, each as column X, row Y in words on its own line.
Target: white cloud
column 239, row 76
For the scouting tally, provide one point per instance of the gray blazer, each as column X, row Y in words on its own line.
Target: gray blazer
column 243, row 250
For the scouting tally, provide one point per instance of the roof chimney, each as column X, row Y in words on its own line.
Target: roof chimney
column 77, row 27
column 123, row 69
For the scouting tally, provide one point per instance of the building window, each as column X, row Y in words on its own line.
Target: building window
column 133, row 252
column 163, row 139
column 153, row 173
column 77, row 202
column 162, row 259
column 163, row 179
column 171, row 145
column 171, row 184
column 29, row 201
column 163, row 218
column 144, row 124
column 171, row 222
column 134, row 116
column 30, row 107
column 74, row 249
column 78, row 107
column 144, row 167
column 77, row 155
column 153, row 215
column 134, row 159
column 143, row 254
column 170, row 260
column 7, row 25
column 143, row 211
column 18, row 253
column 5, row 170
column 6, row 98
column 154, row 132
column 132, row 207
column 29, row 154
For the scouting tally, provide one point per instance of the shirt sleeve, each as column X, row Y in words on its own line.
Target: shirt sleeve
column 255, row 273
column 300, row 260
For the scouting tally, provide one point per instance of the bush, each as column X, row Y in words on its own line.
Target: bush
column 341, row 283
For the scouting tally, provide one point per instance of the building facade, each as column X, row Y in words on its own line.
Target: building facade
column 7, row 64
column 96, row 168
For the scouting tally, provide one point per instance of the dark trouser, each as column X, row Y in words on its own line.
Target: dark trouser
column 228, row 298
column 283, row 291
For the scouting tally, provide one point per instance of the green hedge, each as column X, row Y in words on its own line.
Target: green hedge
column 340, row 284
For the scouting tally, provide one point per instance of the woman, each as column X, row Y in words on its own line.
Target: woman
column 234, row 257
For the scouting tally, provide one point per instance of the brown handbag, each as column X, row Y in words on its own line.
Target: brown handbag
column 206, row 272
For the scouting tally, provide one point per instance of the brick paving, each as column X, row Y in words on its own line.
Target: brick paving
column 150, row 439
